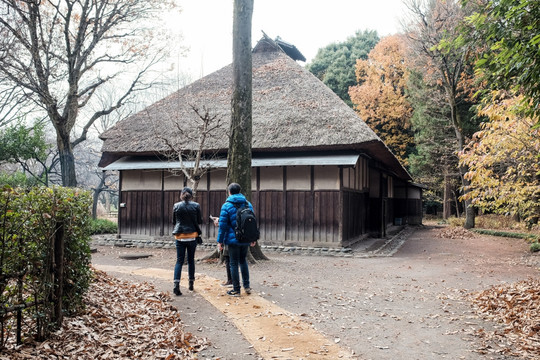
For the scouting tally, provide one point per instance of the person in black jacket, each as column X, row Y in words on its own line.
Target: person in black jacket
column 186, row 219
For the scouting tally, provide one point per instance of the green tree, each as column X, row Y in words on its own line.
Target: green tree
column 508, row 31
column 335, row 64
column 434, row 160
column 26, row 146
column 61, row 53
column 434, row 25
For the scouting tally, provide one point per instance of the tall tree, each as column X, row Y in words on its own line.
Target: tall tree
column 504, row 171
column 435, row 23
column 434, row 160
column 380, row 98
column 334, row 64
column 507, row 31
column 61, row 53
column 239, row 154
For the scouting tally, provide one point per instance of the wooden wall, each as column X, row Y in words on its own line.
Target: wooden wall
column 296, row 218
column 305, row 206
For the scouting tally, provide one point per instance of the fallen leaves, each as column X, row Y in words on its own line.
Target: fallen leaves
column 515, row 308
column 122, row 320
column 455, row 232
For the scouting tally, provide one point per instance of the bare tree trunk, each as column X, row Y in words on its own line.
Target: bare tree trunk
column 447, row 205
column 239, row 154
column 95, row 196
column 456, row 121
column 67, row 160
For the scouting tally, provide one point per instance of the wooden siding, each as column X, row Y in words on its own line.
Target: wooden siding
column 142, row 214
column 355, row 210
column 302, row 218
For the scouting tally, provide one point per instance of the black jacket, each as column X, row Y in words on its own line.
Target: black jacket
column 186, row 217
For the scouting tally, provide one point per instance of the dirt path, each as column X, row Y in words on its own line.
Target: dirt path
column 410, row 305
column 274, row 332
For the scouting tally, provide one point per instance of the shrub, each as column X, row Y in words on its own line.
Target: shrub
column 493, row 221
column 535, row 246
column 35, row 222
column 501, row 233
column 455, row 221
column 103, row 226
column 17, row 179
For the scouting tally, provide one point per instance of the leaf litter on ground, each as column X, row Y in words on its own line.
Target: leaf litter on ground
column 122, row 320
column 516, row 311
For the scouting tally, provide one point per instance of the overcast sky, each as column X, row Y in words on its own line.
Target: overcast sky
column 206, row 26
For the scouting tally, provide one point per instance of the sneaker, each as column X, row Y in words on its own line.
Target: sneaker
column 233, row 293
column 248, row 291
column 226, row 284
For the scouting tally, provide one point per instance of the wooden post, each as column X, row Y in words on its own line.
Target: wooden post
column 58, row 271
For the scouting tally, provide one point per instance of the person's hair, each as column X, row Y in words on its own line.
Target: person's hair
column 234, row 188
column 187, row 194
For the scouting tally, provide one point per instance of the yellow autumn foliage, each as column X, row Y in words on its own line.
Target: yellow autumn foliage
column 503, row 160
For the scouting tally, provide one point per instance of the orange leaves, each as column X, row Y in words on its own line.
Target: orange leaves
column 515, row 308
column 379, row 98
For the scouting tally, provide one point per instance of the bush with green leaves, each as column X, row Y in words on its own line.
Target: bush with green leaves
column 103, row 226
column 17, row 179
column 34, row 223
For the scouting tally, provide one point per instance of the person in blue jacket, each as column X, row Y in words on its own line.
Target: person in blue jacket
column 226, row 236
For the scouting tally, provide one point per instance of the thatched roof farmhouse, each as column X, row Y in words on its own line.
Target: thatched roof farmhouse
column 321, row 176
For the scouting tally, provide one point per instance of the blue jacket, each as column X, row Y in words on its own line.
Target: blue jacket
column 227, row 220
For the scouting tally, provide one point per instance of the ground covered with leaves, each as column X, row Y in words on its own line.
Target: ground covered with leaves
column 122, row 320
column 515, row 308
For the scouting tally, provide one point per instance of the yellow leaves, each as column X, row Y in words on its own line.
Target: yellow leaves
column 503, row 160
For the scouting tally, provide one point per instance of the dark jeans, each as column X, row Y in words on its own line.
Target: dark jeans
column 228, row 267
column 237, row 255
column 181, row 247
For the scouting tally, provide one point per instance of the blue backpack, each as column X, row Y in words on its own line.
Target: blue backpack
column 246, row 230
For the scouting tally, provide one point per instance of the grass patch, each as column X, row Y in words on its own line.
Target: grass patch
column 509, row 234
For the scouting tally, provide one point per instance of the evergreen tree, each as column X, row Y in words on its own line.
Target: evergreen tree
column 335, row 64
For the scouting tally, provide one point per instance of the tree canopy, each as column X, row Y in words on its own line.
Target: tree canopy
column 380, row 98
column 503, row 161
column 434, row 25
column 507, row 31
column 334, row 64
column 59, row 54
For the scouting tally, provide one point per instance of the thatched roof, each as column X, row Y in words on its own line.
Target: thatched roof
column 292, row 111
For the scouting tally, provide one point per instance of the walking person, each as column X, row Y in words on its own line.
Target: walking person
column 226, row 236
column 186, row 219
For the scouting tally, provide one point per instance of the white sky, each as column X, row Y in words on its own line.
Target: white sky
column 206, row 26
